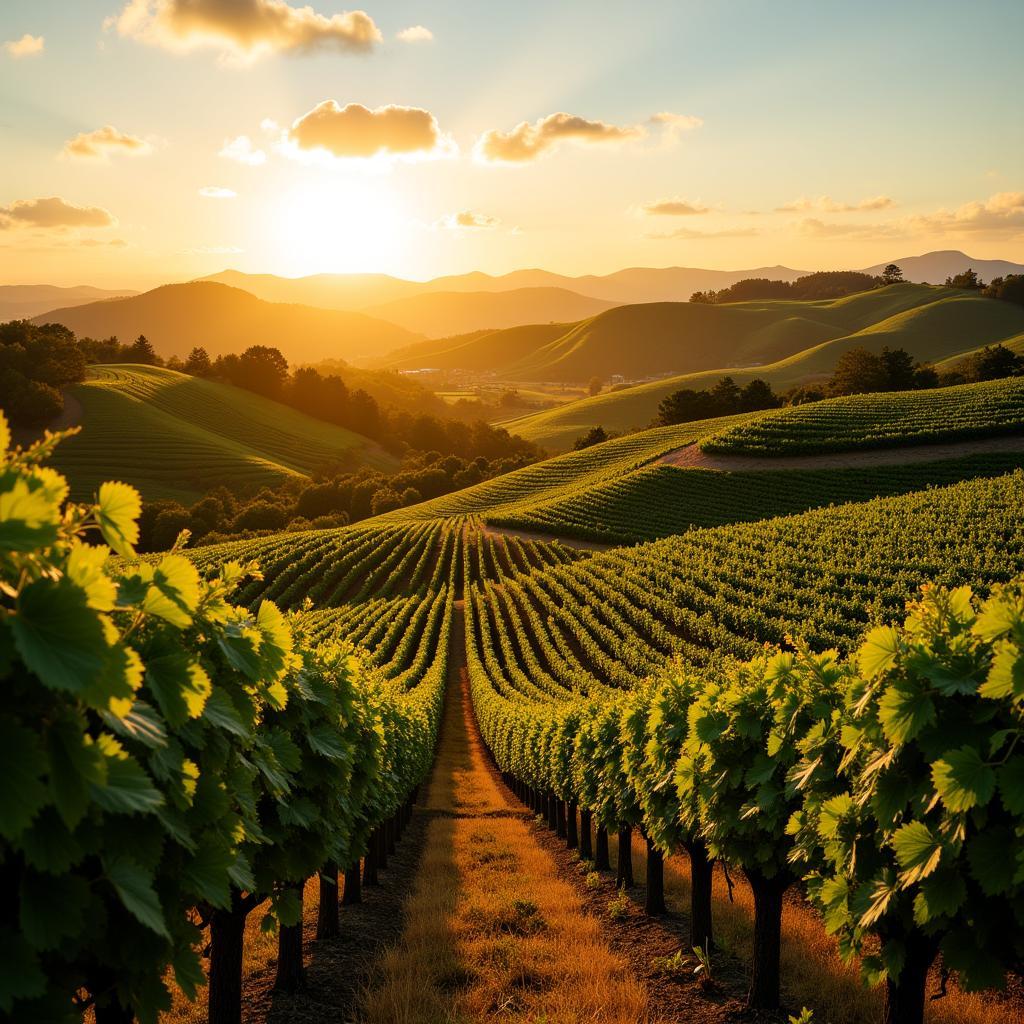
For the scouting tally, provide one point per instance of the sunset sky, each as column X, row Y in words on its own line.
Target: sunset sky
column 159, row 140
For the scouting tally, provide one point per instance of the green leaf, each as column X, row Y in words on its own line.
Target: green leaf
column 118, row 508
column 49, row 845
column 940, row 895
column 29, row 514
column 205, row 872
column 76, row 763
column 917, row 851
column 1011, row 784
column 127, row 789
column 976, row 967
column 992, row 859
column 51, row 908
column 904, row 712
column 174, row 593
column 180, row 685
column 963, row 780
column 1005, row 675
column 879, row 651
column 22, row 765
column 135, row 887
column 21, row 976
column 59, row 637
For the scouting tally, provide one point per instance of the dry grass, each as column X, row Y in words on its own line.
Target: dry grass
column 492, row 931
column 812, row 972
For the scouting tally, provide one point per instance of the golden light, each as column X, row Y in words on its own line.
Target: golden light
column 342, row 226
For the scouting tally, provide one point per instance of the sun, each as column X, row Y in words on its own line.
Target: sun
column 336, row 227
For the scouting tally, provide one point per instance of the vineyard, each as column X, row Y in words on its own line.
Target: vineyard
column 751, row 690
column 178, row 437
column 880, row 421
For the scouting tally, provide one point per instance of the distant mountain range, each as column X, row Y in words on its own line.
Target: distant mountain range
column 935, row 267
column 24, row 301
column 177, row 317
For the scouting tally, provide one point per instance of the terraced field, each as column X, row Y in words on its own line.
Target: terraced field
column 175, row 436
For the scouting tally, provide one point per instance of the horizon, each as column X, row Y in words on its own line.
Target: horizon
column 419, row 143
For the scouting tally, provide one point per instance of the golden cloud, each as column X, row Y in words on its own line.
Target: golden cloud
column 826, row 204
column 1001, row 214
column 815, row 228
column 355, row 131
column 691, row 233
column 216, row 192
column 674, row 208
column 98, row 145
column 527, row 141
column 26, row 46
column 53, row 213
column 674, row 125
column 469, row 219
column 244, row 30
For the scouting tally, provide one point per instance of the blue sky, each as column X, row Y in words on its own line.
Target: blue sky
column 825, row 108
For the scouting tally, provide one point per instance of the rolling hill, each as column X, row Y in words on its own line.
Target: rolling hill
column 933, row 324
column 23, row 301
column 442, row 314
column 175, row 436
column 222, row 319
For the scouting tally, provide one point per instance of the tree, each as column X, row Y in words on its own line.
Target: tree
column 1008, row 289
column 262, row 369
column 594, row 387
column 857, row 372
column 993, row 362
column 967, row 279
column 141, row 351
column 757, row 394
column 198, row 363
column 684, row 406
column 900, row 369
column 892, row 274
column 596, row 435
column 725, row 397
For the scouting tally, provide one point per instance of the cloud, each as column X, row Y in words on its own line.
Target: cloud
column 1000, row 214
column 357, row 132
column 468, row 219
column 528, row 141
column 216, row 192
column 826, row 204
column 101, row 143
column 55, row 213
column 674, row 208
column 815, row 228
column 242, row 150
column 415, row 34
column 674, row 125
column 114, row 243
column 691, row 233
column 26, row 46
column 244, row 30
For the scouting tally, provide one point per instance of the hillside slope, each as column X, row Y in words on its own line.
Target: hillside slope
column 943, row 324
column 175, row 436
column 23, row 301
column 441, row 314
column 177, row 317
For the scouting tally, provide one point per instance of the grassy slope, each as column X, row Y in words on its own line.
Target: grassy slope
column 177, row 436
column 950, row 323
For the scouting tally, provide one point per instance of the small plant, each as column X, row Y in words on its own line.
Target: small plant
column 585, row 867
column 804, row 1017
column 593, row 880
column 703, row 972
column 618, row 908
column 671, row 966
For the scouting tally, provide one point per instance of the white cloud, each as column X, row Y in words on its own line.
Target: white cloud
column 213, row 250
column 243, row 30
column 216, row 192
column 101, row 143
column 415, row 34
column 243, row 151
column 26, row 46
column 675, row 125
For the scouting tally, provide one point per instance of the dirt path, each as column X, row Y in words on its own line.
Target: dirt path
column 493, row 931
column 691, row 456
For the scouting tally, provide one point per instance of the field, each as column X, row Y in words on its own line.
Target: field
column 174, row 436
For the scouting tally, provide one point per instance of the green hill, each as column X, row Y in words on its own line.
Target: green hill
column 175, row 436
column 933, row 324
